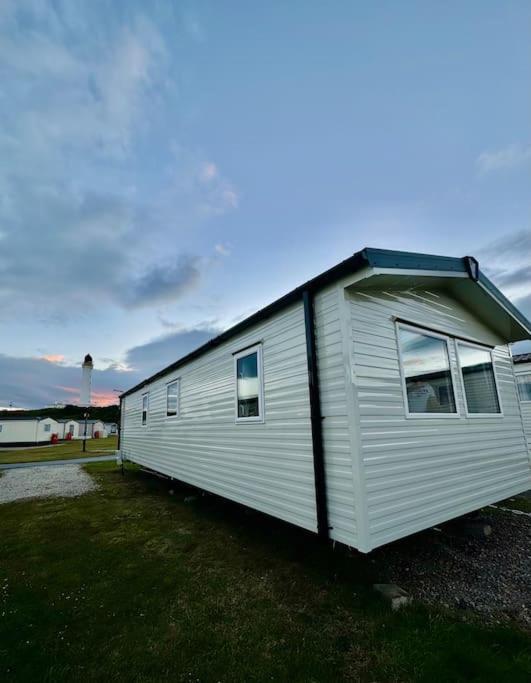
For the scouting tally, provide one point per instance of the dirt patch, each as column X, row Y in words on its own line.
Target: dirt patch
column 43, row 482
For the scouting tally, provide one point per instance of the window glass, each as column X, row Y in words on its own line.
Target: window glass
column 172, row 399
column 71, row 429
column 248, row 385
column 427, row 375
column 1, row 427
column 145, row 399
column 524, row 387
column 47, row 428
column 478, row 379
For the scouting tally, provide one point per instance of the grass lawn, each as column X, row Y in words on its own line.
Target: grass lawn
column 129, row 583
column 66, row 449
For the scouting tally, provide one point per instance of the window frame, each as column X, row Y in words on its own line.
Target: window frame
column 47, row 427
column 145, row 395
column 428, row 333
column 247, row 351
column 176, row 381
column 517, row 375
column 489, row 350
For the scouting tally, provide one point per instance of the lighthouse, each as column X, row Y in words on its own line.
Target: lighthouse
column 86, row 379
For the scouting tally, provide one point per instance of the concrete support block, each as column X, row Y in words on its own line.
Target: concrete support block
column 395, row 596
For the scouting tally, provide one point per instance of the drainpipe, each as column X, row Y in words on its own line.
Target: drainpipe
column 316, row 418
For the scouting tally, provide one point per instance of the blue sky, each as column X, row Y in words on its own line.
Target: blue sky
column 168, row 167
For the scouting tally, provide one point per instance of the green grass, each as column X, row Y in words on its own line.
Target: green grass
column 129, row 583
column 66, row 449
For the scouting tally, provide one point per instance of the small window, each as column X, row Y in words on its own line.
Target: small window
column 524, row 386
column 71, row 429
column 479, row 380
column 249, row 390
column 426, row 373
column 172, row 398
column 47, row 427
column 145, row 405
column 1, row 427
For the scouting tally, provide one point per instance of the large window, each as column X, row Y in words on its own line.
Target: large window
column 249, row 389
column 479, row 380
column 524, row 386
column 426, row 373
column 145, row 407
column 172, row 399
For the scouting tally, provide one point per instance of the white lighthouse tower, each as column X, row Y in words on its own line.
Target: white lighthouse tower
column 84, row 398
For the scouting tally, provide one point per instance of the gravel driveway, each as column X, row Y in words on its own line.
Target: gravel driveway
column 491, row 576
column 43, row 482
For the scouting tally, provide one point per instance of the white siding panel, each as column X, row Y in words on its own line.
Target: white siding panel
column 267, row 466
column 337, row 421
column 421, row 471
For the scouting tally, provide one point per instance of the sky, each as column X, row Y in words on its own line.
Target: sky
column 167, row 168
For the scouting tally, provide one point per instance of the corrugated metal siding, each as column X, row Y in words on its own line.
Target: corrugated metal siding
column 525, row 406
column 330, row 344
column 266, row 466
column 419, row 471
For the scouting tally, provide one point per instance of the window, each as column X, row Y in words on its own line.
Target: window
column 1, row 427
column 479, row 380
column 47, row 427
column 524, row 386
column 249, row 389
column 145, row 405
column 172, row 398
column 71, row 429
column 425, row 363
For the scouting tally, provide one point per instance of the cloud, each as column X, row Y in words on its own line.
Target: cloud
column 506, row 260
column 208, row 172
column 222, row 249
column 81, row 215
column 36, row 382
column 155, row 355
column 54, row 358
column 162, row 283
column 512, row 156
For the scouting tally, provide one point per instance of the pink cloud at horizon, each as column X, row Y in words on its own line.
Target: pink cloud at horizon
column 54, row 357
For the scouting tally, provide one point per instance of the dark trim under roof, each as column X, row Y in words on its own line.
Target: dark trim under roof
column 22, row 418
column 522, row 358
column 372, row 258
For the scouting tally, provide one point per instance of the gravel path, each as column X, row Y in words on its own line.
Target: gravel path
column 491, row 576
column 43, row 482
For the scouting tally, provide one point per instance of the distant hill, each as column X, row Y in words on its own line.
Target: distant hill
column 106, row 414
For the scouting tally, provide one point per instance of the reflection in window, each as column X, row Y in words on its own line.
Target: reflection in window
column 145, row 402
column 524, row 387
column 248, row 385
column 478, row 379
column 426, row 369
column 172, row 399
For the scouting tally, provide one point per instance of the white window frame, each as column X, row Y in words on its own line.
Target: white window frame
column 144, row 396
column 260, row 418
column 176, row 381
column 427, row 333
column 516, row 376
column 458, row 359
